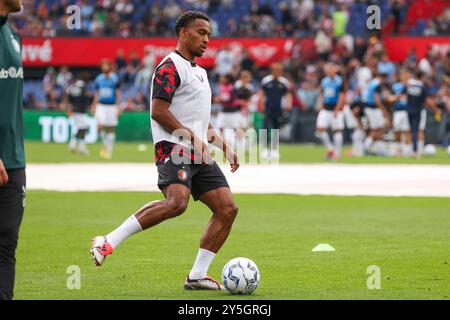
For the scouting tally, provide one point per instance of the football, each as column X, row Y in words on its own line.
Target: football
column 241, row 276
column 429, row 150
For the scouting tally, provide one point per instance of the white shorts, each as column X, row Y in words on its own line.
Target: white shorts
column 231, row 120
column 107, row 115
column 80, row 120
column 326, row 120
column 375, row 118
column 400, row 121
column 423, row 120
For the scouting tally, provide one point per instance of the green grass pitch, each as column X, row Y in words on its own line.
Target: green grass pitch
column 408, row 238
column 38, row 152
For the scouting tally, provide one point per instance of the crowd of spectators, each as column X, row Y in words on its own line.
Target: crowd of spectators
column 326, row 21
column 229, row 18
column 134, row 75
column 303, row 74
column 357, row 62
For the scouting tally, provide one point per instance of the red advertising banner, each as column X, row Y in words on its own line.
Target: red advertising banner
column 89, row 51
column 398, row 48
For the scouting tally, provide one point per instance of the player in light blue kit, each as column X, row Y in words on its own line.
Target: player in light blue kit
column 330, row 116
column 376, row 113
column 106, row 106
column 400, row 115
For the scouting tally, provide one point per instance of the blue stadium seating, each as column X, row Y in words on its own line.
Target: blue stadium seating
column 34, row 87
column 238, row 9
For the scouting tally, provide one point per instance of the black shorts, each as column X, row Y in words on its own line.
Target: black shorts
column 199, row 178
column 272, row 120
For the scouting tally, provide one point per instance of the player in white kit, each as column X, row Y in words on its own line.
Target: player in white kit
column 330, row 116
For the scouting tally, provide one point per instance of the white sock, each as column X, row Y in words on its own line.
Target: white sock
column 82, row 145
column 201, row 265
column 325, row 140
column 125, row 230
column 73, row 144
column 338, row 140
column 103, row 137
column 110, row 139
column 368, row 143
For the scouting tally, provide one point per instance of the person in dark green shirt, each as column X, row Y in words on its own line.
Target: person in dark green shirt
column 12, row 156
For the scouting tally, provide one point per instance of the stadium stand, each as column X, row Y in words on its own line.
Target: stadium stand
column 265, row 18
column 351, row 45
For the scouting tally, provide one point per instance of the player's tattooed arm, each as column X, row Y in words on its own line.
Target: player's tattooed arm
column 3, row 174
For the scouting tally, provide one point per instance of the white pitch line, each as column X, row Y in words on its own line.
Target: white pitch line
column 302, row 179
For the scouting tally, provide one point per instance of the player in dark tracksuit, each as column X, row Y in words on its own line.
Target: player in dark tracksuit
column 274, row 88
column 79, row 99
column 418, row 98
column 12, row 156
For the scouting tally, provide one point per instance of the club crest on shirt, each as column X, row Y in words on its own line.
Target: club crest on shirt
column 182, row 175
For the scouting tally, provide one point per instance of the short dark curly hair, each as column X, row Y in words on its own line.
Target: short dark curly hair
column 186, row 18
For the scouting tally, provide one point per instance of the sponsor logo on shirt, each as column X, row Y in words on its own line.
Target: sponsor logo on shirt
column 199, row 77
column 11, row 73
column 415, row 91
